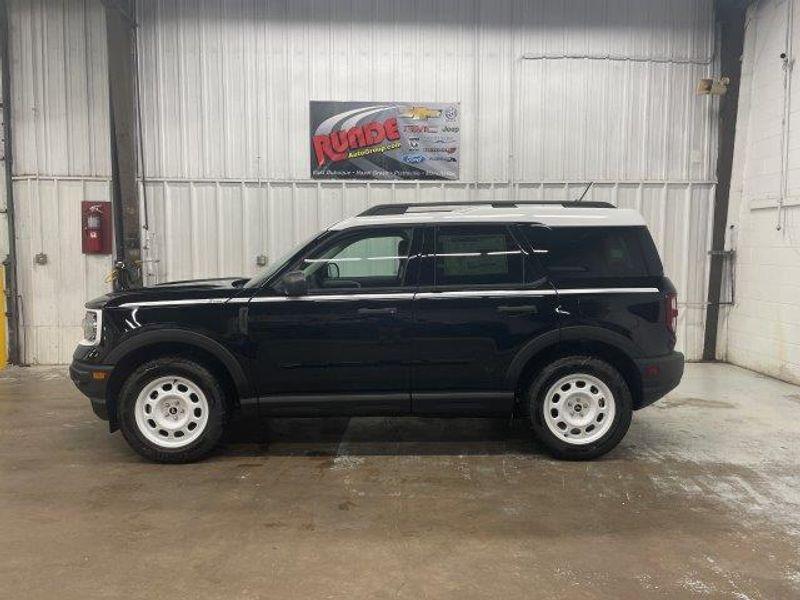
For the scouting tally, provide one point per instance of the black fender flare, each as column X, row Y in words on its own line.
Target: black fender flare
column 576, row 333
column 190, row 338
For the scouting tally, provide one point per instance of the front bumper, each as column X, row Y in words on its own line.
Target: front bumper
column 659, row 376
column 92, row 381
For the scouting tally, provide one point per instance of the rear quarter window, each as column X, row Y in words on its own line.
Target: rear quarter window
column 584, row 253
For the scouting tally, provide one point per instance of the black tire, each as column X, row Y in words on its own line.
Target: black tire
column 608, row 375
column 197, row 374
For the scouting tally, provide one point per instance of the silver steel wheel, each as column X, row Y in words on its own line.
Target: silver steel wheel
column 579, row 409
column 171, row 411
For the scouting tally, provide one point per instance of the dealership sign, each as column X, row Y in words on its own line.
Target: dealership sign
column 370, row 140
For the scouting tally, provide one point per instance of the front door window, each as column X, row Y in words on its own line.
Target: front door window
column 376, row 259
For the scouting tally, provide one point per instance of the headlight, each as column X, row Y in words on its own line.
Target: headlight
column 92, row 327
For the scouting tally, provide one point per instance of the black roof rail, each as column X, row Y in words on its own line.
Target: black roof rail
column 399, row 209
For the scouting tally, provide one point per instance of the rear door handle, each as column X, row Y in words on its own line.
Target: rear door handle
column 519, row 310
column 378, row 311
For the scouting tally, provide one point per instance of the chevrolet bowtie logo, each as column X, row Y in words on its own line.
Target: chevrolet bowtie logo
column 420, row 113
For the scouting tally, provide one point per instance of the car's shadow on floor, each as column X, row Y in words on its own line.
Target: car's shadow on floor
column 379, row 436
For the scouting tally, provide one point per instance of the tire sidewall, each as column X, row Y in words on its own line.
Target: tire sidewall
column 164, row 367
column 590, row 366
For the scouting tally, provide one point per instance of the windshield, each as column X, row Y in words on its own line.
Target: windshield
column 277, row 264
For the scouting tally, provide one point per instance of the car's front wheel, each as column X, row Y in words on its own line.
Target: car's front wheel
column 172, row 410
column 580, row 407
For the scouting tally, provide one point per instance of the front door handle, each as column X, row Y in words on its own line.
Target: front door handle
column 519, row 310
column 378, row 311
column 561, row 311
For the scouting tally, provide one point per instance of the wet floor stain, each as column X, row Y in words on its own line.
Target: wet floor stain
column 793, row 398
column 691, row 402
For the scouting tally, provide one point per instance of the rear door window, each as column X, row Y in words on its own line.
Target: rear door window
column 469, row 256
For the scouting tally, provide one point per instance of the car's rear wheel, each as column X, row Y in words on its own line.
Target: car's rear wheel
column 172, row 410
column 580, row 407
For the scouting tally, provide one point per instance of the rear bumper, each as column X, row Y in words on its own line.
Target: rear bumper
column 92, row 381
column 659, row 376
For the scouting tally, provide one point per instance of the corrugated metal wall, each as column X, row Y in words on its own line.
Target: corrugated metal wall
column 553, row 94
column 4, row 239
column 61, row 156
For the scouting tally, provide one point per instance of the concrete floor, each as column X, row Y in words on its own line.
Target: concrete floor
column 701, row 499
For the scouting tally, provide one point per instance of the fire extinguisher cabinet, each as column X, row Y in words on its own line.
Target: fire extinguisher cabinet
column 96, row 228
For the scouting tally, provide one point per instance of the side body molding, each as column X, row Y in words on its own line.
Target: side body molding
column 191, row 338
column 577, row 333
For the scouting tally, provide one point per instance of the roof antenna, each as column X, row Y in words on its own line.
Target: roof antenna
column 584, row 192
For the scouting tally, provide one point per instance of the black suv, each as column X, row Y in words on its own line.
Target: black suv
column 557, row 312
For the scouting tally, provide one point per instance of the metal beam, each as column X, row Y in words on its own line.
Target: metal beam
column 122, row 114
column 730, row 16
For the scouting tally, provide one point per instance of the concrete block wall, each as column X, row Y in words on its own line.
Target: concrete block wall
column 761, row 331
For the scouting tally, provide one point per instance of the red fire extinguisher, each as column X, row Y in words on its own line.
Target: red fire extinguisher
column 94, row 229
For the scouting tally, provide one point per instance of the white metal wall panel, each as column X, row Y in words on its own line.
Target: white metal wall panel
column 61, row 157
column 59, row 88
column 52, row 295
column 4, row 233
column 553, row 94
column 216, row 229
column 596, row 91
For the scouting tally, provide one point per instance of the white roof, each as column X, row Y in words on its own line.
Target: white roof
column 551, row 215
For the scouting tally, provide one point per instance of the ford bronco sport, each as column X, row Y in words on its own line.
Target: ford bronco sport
column 558, row 312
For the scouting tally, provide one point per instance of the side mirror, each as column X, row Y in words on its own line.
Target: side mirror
column 295, row 283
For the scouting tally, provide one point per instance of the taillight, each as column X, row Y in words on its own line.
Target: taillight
column 671, row 312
